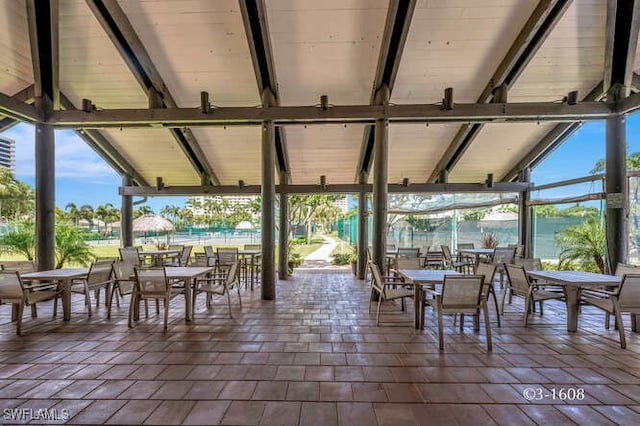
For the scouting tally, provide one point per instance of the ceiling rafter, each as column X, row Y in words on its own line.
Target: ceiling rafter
column 330, row 189
column 124, row 37
column 536, row 30
column 254, row 17
column 25, row 95
column 623, row 26
column 101, row 145
column 285, row 115
column 397, row 24
column 552, row 140
column 42, row 20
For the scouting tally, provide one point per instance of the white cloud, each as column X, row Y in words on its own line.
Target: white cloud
column 74, row 158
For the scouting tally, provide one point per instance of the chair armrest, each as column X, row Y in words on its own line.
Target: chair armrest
column 431, row 292
column 35, row 286
column 599, row 292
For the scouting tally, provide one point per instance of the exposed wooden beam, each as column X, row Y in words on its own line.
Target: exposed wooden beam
column 42, row 19
column 25, row 95
column 282, row 115
column 124, row 37
column 533, row 34
column 398, row 21
column 254, row 16
column 18, row 110
column 623, row 27
column 552, row 140
column 101, row 145
column 317, row 189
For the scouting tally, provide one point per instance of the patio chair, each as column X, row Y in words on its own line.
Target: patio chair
column 13, row 291
column 130, row 255
column 521, row 285
column 408, row 252
column 100, row 277
column 226, row 256
column 257, row 261
column 22, row 266
column 408, row 263
column 459, row 295
column 625, row 298
column 519, row 252
column 503, row 256
column 466, row 258
column 220, row 284
column 385, row 290
column 123, row 284
column 458, row 265
column 434, row 260
column 488, row 271
column 183, row 258
column 211, row 255
column 151, row 283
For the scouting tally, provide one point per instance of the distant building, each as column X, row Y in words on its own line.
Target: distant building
column 7, row 154
column 232, row 199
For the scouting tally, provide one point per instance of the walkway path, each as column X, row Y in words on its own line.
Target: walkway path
column 321, row 258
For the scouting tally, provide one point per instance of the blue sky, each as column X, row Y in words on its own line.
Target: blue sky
column 82, row 177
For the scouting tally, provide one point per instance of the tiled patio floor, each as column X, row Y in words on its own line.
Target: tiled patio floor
column 314, row 356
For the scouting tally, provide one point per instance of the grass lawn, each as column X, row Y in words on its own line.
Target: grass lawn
column 111, row 251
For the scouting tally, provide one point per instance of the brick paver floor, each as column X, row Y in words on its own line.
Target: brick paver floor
column 314, row 356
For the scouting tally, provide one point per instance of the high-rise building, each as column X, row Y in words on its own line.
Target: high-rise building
column 7, row 153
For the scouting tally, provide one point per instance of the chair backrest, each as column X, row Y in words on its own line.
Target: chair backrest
column 408, row 263
column 629, row 292
column 487, row 270
column 463, row 246
column 152, row 282
column 530, row 264
column 200, row 259
column 130, row 255
column 227, row 255
column 376, row 280
column 504, row 255
column 211, row 255
column 517, row 278
column 100, row 273
column 232, row 275
column 446, row 253
column 11, row 289
column 519, row 249
column 461, row 291
column 253, row 246
column 22, row 266
column 408, row 252
column 623, row 269
column 391, row 247
column 185, row 254
column 124, row 275
column 433, row 258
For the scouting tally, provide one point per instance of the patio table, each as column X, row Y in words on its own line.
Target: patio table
column 248, row 257
column 65, row 276
column 157, row 256
column 188, row 274
column 420, row 277
column 478, row 253
column 574, row 282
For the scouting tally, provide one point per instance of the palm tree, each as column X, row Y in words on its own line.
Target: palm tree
column 73, row 213
column 71, row 246
column 585, row 244
column 142, row 210
column 107, row 214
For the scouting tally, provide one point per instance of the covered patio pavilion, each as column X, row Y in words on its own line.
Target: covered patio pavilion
column 358, row 96
column 314, row 356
